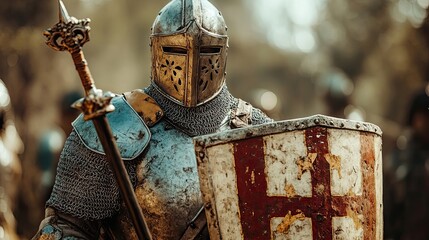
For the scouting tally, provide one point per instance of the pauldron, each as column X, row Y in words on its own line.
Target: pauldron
column 129, row 122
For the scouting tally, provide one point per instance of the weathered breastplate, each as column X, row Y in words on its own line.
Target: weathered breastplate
column 161, row 163
column 168, row 186
column 168, row 189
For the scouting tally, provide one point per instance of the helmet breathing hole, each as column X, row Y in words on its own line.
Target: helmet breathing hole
column 205, row 86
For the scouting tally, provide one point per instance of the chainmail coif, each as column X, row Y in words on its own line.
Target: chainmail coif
column 200, row 120
column 203, row 119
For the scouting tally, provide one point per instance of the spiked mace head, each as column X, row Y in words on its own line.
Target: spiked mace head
column 69, row 33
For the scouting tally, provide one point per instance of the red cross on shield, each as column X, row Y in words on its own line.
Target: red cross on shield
column 311, row 178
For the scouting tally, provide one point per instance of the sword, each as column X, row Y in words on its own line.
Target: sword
column 71, row 34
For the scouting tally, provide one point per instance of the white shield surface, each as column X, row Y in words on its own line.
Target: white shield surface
column 310, row 178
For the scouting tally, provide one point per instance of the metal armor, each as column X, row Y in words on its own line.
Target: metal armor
column 189, row 48
column 164, row 175
column 167, row 183
column 168, row 188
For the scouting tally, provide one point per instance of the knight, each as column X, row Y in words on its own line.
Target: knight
column 154, row 128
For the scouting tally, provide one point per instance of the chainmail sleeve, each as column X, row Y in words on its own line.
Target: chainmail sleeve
column 259, row 117
column 85, row 186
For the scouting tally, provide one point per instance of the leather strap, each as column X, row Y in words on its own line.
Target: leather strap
column 242, row 115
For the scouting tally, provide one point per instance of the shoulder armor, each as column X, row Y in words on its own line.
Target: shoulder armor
column 145, row 106
column 241, row 116
column 129, row 130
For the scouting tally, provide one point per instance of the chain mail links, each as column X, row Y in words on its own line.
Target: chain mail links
column 206, row 118
column 194, row 121
column 259, row 117
column 85, row 186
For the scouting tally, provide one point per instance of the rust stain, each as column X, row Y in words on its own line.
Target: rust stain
column 335, row 162
column 305, row 164
column 128, row 228
column 369, row 197
column 321, row 207
column 145, row 106
column 350, row 192
column 290, row 190
column 288, row 220
column 140, row 135
column 47, row 237
column 320, row 189
column 355, row 217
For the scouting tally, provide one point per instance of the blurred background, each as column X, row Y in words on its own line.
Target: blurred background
column 361, row 59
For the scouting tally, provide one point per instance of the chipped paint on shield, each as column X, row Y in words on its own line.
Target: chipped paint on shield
column 297, row 227
column 344, row 228
column 378, row 173
column 346, row 172
column 316, row 182
column 225, row 195
column 281, row 169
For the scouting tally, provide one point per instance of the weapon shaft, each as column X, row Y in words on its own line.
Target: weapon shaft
column 83, row 70
column 109, row 145
column 70, row 34
column 105, row 136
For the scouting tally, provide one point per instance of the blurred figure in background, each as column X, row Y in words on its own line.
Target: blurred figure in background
column 336, row 91
column 10, row 166
column 407, row 177
column 51, row 143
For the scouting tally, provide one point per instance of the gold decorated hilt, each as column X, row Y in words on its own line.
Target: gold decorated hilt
column 71, row 34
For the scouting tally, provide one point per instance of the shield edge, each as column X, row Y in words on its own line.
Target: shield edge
column 286, row 125
column 201, row 144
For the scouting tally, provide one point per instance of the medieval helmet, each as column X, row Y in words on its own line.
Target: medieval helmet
column 189, row 47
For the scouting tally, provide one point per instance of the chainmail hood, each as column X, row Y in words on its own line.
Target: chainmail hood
column 200, row 120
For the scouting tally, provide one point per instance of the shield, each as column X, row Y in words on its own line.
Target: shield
column 311, row 178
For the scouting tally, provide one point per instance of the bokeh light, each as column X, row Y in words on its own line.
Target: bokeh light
column 268, row 100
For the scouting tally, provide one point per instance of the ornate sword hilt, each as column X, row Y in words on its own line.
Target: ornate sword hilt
column 71, row 34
